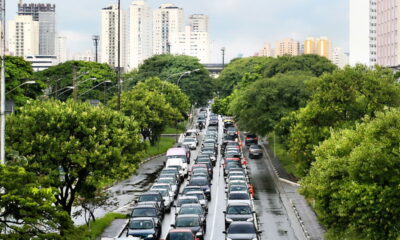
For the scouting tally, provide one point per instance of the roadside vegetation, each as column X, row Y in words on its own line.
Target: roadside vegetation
column 336, row 130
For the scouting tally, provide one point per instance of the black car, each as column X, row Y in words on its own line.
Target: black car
column 242, row 230
column 192, row 222
column 204, row 183
column 144, row 228
column 141, row 211
column 152, row 196
column 250, row 139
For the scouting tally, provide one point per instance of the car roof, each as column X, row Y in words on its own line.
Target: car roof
column 191, row 205
column 143, row 219
column 186, row 197
column 241, row 223
column 239, row 204
column 188, row 216
column 194, row 192
column 176, row 151
column 180, row 230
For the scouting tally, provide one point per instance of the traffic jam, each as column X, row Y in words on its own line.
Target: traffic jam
column 183, row 189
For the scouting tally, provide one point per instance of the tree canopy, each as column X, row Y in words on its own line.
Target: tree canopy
column 197, row 85
column 356, row 177
column 339, row 100
column 74, row 145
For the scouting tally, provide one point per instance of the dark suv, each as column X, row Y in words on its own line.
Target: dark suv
column 250, row 139
column 152, row 196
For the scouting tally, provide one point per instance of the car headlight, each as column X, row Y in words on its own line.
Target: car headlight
column 250, row 219
column 229, row 220
column 254, row 239
column 199, row 234
column 150, row 236
column 228, row 238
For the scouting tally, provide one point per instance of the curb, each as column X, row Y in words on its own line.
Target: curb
column 306, row 234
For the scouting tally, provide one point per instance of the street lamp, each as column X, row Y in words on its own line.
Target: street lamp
column 186, row 73
column 22, row 84
column 96, row 39
column 107, row 81
column 66, row 90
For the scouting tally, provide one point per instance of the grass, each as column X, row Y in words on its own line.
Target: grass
column 284, row 157
column 161, row 147
column 172, row 130
column 96, row 228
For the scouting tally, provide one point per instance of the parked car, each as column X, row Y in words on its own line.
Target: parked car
column 243, row 231
column 255, row 151
column 238, row 212
column 145, row 228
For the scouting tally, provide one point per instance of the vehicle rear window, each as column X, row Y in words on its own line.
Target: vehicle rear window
column 149, row 198
column 241, row 229
column 144, row 212
column 239, row 196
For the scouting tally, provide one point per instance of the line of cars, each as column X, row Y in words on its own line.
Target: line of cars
column 240, row 216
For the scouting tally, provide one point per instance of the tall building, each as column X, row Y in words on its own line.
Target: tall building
column 340, row 58
column 310, row 46
column 45, row 15
column 266, row 51
column 23, row 36
column 287, row 46
column 388, row 32
column 140, row 33
column 198, row 23
column 61, row 49
column 363, row 32
column 324, row 47
column 109, row 37
column 168, row 22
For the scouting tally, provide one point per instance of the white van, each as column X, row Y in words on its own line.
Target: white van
column 180, row 164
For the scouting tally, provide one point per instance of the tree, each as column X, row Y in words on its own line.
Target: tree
column 150, row 109
column 260, row 106
column 172, row 93
column 19, row 71
column 339, row 100
column 197, row 85
column 356, row 177
column 90, row 78
column 221, row 106
column 27, row 207
column 73, row 145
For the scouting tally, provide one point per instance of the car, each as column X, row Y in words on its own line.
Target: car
column 173, row 182
column 178, row 163
column 243, row 231
column 180, row 234
column 236, row 188
column 236, row 178
column 232, row 131
column 152, row 196
column 238, row 212
column 250, row 138
column 201, row 197
column 190, row 209
column 185, row 200
column 191, row 142
column 140, row 211
column 236, row 197
column 192, row 222
column 202, row 182
column 167, row 172
column 145, row 228
column 255, row 151
column 157, row 185
column 190, row 189
column 231, row 165
column 192, row 133
column 168, row 199
column 178, row 153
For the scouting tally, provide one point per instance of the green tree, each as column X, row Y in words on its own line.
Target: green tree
column 261, row 105
column 89, row 76
column 172, row 93
column 197, row 85
column 150, row 109
column 19, row 71
column 73, row 145
column 339, row 100
column 356, row 177
column 27, row 207
column 221, row 105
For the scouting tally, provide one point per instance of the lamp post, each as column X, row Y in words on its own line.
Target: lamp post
column 96, row 39
column 119, row 56
column 107, row 81
column 186, row 73
column 22, row 84
column 3, row 85
column 223, row 57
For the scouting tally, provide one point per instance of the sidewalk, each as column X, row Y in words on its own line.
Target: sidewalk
column 113, row 231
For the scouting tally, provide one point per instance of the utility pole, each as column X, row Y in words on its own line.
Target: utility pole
column 223, row 57
column 74, row 84
column 3, row 85
column 119, row 56
column 96, row 39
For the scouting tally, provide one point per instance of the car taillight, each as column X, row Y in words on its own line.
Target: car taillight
column 247, row 138
column 255, row 138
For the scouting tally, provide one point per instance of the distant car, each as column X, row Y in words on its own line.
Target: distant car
column 238, row 197
column 191, row 142
column 204, row 183
column 238, row 212
column 201, row 197
column 242, row 231
column 192, row 222
column 185, row 200
column 190, row 209
column 144, row 228
column 255, row 151
column 250, row 139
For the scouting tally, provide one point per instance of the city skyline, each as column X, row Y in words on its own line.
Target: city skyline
column 239, row 35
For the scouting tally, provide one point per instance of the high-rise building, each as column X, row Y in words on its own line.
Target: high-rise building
column 287, row 46
column 310, row 46
column 23, row 36
column 140, row 33
column 109, row 36
column 388, row 32
column 340, row 58
column 266, row 51
column 363, row 32
column 198, row 23
column 45, row 15
column 168, row 22
column 324, row 47
column 61, row 49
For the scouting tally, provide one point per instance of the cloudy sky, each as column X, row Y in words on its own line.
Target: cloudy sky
column 242, row 26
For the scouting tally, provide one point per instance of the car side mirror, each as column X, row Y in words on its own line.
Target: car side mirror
column 259, row 232
column 224, row 232
column 176, row 214
column 173, row 225
column 253, row 212
column 224, row 212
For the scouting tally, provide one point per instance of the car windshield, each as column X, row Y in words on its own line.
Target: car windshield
column 191, row 210
column 166, row 180
column 149, row 198
column 251, row 135
column 236, row 188
column 198, row 195
column 188, row 140
column 239, row 210
column 238, row 196
column 141, row 224
column 180, row 236
column 169, row 170
column 144, row 212
column 175, row 166
column 187, row 222
column 163, row 192
column 241, row 229
column 187, row 201
column 198, row 182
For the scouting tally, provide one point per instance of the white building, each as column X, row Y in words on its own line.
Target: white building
column 168, row 22
column 198, row 23
column 61, row 49
column 140, row 33
column 266, row 51
column 340, row 58
column 109, row 37
column 23, row 36
column 87, row 56
column 363, row 36
column 41, row 62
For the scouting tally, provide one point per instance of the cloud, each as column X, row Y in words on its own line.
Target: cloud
column 77, row 41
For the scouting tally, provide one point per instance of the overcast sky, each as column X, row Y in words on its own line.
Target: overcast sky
column 242, row 26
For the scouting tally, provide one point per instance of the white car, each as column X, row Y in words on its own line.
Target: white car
column 168, row 199
column 192, row 132
column 191, row 142
column 238, row 197
column 201, row 197
column 178, row 163
column 164, row 186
